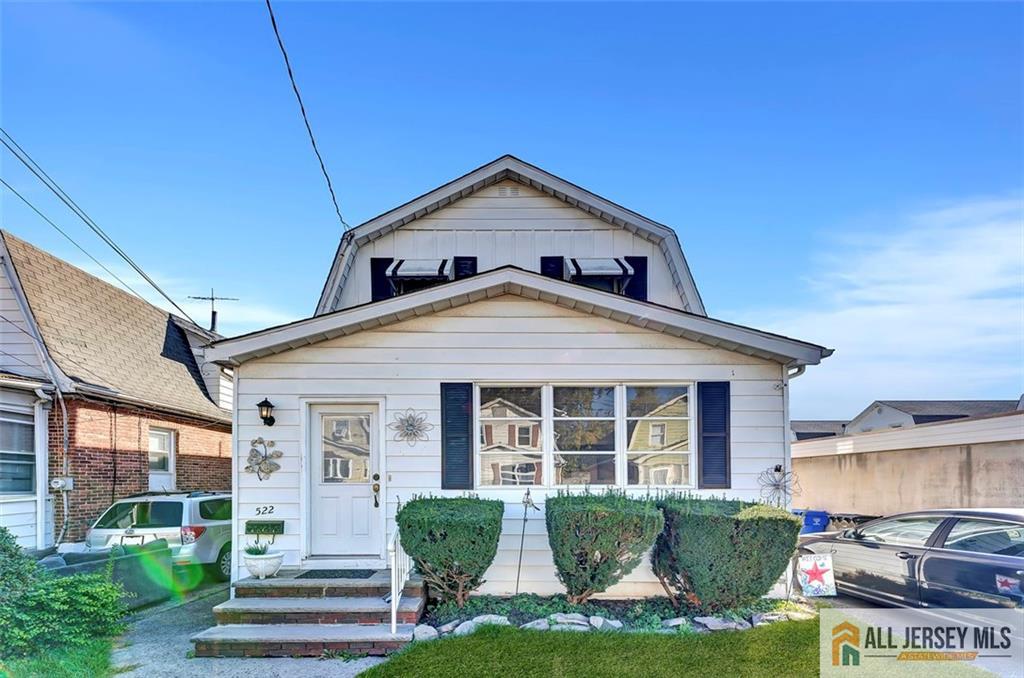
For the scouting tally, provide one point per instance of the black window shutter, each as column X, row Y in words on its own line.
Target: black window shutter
column 552, row 267
column 380, row 286
column 464, row 267
column 637, row 287
column 456, row 436
column 713, row 459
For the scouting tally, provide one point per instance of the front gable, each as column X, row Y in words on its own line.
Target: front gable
column 509, row 212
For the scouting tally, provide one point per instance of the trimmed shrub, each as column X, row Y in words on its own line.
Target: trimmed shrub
column 452, row 541
column 598, row 539
column 716, row 554
column 17, row 570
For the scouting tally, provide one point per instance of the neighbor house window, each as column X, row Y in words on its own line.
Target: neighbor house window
column 161, row 444
column 511, row 436
column 585, row 434
column 17, row 453
column 658, row 435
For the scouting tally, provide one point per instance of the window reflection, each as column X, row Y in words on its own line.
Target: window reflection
column 346, row 449
column 584, row 469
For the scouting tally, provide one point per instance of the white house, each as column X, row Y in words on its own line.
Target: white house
column 506, row 331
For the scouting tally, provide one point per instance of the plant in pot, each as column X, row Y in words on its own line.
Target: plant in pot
column 260, row 563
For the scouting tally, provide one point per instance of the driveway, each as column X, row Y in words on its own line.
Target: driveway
column 157, row 645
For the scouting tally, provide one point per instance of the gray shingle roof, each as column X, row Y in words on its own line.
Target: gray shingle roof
column 103, row 336
column 951, row 408
column 805, row 429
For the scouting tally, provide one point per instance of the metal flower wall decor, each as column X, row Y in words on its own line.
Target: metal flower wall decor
column 262, row 462
column 778, row 485
column 410, row 426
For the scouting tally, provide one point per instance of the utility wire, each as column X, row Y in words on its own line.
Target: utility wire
column 70, row 239
column 305, row 118
column 48, row 348
column 27, row 160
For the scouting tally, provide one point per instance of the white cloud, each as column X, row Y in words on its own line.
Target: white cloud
column 930, row 305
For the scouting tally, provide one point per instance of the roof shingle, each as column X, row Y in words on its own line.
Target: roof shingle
column 102, row 336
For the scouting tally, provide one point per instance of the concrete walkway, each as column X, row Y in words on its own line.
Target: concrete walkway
column 157, row 646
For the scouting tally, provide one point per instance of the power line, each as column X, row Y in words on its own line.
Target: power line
column 70, row 239
column 49, row 348
column 305, row 118
column 27, row 160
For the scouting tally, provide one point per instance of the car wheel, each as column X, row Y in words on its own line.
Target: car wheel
column 221, row 569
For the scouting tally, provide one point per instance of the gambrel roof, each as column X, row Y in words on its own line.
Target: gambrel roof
column 530, row 285
column 508, row 167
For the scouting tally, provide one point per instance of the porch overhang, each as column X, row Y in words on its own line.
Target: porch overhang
column 516, row 281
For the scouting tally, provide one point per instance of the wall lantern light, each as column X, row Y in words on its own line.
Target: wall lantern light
column 266, row 407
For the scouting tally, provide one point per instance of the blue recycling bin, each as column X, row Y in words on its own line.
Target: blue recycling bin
column 814, row 521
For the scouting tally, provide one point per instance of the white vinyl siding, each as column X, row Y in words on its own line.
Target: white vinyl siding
column 501, row 340
column 516, row 230
column 19, row 352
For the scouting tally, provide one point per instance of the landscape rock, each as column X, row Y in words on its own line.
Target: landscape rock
column 465, row 628
column 765, row 618
column 602, row 624
column 569, row 618
column 450, row 626
column 492, row 619
column 570, row 627
column 424, row 632
column 719, row 624
column 674, row 622
column 537, row 625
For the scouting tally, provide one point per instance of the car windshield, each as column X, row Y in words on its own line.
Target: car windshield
column 141, row 514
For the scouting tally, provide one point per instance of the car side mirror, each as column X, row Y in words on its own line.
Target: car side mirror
column 851, row 533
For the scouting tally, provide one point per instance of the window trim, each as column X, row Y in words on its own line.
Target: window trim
column 620, row 452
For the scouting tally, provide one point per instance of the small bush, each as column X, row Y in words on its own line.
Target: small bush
column 452, row 541
column 716, row 554
column 17, row 570
column 598, row 539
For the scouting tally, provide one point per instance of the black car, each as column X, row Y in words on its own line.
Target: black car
column 940, row 558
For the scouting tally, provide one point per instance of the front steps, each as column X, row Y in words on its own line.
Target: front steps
column 289, row 617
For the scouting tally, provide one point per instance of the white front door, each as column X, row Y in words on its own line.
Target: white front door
column 345, row 507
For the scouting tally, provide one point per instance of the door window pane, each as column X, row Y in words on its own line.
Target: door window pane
column 902, row 531
column 346, row 448
column 17, row 453
column 584, row 469
column 986, row 536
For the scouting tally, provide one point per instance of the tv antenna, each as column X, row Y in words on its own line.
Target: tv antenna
column 213, row 299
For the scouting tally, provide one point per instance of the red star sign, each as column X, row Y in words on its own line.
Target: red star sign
column 816, row 574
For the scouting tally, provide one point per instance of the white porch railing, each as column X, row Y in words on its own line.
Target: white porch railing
column 401, row 567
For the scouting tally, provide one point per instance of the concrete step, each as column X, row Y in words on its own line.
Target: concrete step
column 346, row 610
column 299, row 640
column 286, row 585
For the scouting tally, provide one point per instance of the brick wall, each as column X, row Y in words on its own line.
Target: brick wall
column 109, row 453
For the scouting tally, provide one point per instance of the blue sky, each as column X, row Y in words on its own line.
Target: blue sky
column 850, row 174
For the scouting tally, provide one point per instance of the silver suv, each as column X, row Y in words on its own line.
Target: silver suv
column 196, row 525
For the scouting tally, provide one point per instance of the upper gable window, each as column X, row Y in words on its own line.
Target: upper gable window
column 409, row 275
column 608, row 274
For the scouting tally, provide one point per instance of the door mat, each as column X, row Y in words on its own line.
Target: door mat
column 337, row 574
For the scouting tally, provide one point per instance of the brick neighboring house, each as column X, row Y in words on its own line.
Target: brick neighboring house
column 144, row 411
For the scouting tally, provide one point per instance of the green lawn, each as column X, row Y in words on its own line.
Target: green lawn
column 785, row 649
column 89, row 661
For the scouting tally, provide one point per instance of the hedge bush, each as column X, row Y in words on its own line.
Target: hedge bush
column 716, row 554
column 598, row 539
column 39, row 611
column 452, row 542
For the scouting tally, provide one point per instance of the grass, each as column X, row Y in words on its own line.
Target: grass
column 91, row 660
column 783, row 649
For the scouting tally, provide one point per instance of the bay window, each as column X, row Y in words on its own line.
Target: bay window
column 558, row 435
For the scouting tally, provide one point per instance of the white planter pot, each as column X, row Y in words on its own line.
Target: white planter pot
column 263, row 566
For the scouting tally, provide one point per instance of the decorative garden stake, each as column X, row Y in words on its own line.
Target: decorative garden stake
column 778, row 485
column 410, row 426
column 261, row 463
column 527, row 505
